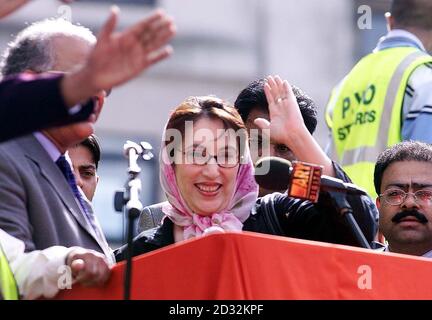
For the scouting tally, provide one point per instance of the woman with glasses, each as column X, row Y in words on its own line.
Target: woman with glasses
column 206, row 173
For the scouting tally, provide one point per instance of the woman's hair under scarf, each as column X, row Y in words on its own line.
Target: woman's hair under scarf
column 230, row 219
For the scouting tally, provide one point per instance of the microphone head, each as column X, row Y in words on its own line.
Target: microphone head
column 131, row 145
column 273, row 173
column 147, row 148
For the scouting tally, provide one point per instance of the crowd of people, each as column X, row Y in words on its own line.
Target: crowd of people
column 49, row 162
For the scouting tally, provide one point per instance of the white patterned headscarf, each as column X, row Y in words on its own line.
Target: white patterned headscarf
column 230, row 218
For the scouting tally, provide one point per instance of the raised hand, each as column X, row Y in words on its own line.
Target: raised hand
column 8, row 6
column 286, row 120
column 287, row 126
column 118, row 57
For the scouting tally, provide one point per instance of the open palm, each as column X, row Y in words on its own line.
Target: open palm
column 118, row 57
column 284, row 112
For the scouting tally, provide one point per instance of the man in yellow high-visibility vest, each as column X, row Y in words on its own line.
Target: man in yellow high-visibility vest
column 387, row 96
column 8, row 287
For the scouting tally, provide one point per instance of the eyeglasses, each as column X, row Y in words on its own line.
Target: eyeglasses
column 396, row 197
column 224, row 159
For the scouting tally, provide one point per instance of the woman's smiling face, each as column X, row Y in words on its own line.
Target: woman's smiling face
column 205, row 186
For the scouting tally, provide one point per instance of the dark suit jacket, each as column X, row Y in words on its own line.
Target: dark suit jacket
column 37, row 204
column 30, row 103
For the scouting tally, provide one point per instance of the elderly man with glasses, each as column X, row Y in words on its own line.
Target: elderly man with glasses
column 403, row 180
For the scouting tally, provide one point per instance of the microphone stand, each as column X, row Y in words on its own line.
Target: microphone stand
column 129, row 199
column 344, row 208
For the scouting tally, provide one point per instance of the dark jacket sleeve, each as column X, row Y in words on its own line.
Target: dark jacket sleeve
column 29, row 103
column 148, row 240
column 281, row 215
column 319, row 222
column 141, row 244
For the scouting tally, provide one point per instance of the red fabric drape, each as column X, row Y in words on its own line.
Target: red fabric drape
column 255, row 266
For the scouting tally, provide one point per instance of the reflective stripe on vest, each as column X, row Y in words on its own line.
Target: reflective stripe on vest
column 8, row 288
column 364, row 112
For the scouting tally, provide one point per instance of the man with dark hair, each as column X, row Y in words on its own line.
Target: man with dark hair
column 85, row 158
column 252, row 104
column 386, row 98
column 273, row 98
column 403, row 180
column 252, row 100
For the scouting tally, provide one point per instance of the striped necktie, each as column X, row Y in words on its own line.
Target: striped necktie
column 65, row 168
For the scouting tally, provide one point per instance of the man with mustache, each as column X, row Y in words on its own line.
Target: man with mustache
column 403, row 180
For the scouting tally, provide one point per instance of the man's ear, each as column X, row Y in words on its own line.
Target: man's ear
column 100, row 100
column 97, row 179
column 378, row 202
column 390, row 21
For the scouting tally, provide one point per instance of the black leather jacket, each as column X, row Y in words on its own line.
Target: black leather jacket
column 279, row 214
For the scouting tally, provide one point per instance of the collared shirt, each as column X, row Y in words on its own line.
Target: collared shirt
column 426, row 255
column 37, row 273
column 48, row 145
column 417, row 103
column 54, row 154
column 399, row 38
column 51, row 149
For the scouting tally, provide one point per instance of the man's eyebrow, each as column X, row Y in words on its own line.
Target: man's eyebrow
column 397, row 184
column 88, row 166
column 407, row 185
column 421, row 185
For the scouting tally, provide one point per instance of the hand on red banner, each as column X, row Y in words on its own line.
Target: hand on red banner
column 90, row 268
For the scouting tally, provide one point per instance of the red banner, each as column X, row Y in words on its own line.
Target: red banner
column 255, row 266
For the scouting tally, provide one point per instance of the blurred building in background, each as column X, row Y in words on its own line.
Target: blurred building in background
column 220, row 47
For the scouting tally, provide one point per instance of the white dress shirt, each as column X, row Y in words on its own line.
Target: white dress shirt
column 37, row 273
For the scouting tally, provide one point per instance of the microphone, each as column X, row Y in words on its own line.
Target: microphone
column 130, row 199
column 304, row 180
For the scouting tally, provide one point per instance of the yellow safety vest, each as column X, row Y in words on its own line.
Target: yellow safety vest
column 8, row 287
column 364, row 111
